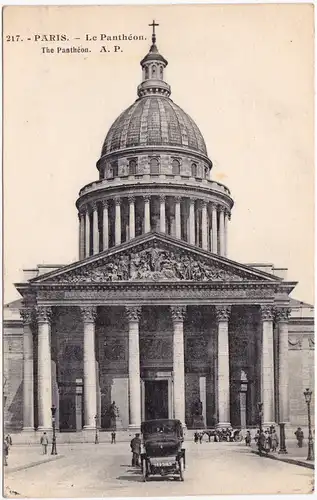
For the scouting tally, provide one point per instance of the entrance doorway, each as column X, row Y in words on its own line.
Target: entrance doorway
column 156, row 399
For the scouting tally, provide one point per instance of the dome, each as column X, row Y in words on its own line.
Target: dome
column 154, row 121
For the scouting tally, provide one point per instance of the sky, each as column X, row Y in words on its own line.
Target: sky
column 244, row 73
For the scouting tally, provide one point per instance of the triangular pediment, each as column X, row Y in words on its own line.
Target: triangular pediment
column 154, row 257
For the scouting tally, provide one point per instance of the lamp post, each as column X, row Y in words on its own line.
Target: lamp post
column 260, row 410
column 310, row 455
column 282, row 450
column 54, row 450
column 96, row 433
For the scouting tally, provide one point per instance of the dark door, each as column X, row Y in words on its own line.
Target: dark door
column 156, row 399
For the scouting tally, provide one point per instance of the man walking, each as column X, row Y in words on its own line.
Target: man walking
column 136, row 450
column 113, row 438
column 44, row 443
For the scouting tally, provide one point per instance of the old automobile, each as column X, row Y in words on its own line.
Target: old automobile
column 163, row 452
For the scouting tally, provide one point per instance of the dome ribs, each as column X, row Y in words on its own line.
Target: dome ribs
column 134, row 126
column 164, row 125
column 154, row 129
column 182, row 125
column 144, row 122
column 125, row 133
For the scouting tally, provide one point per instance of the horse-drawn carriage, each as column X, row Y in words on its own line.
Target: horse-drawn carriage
column 163, row 453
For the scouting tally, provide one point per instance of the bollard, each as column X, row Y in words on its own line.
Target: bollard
column 282, row 450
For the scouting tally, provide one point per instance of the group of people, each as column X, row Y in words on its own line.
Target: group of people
column 7, row 443
column 266, row 440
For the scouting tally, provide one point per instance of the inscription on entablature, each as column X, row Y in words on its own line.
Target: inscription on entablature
column 154, row 262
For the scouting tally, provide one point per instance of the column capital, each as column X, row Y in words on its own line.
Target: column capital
column 178, row 313
column 81, row 211
column 177, row 199
column 146, row 198
column 222, row 209
column 204, row 204
column 162, row 198
column 94, row 205
column 267, row 312
column 133, row 313
column 131, row 198
column 105, row 203
column 88, row 314
column 26, row 315
column 223, row 313
column 117, row 201
column 43, row 314
column 282, row 314
column 214, row 206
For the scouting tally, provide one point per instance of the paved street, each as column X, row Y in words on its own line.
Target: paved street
column 88, row 470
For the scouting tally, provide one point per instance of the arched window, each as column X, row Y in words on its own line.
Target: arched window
column 161, row 72
column 175, row 167
column 146, row 72
column 194, row 170
column 114, row 166
column 206, row 172
column 132, row 167
column 154, row 71
column 154, row 166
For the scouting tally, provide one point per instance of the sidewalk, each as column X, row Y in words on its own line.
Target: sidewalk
column 23, row 457
column 295, row 455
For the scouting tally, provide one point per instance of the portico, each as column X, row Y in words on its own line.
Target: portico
column 121, row 336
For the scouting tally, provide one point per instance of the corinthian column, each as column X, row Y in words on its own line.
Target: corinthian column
column 178, row 314
column 223, row 314
column 204, row 227
column 147, row 217
column 178, row 227
column 267, row 365
column 44, row 371
column 227, row 218
column 95, row 228
column 105, row 225
column 87, row 232
column 133, row 314
column 192, row 221
column 90, row 382
column 81, row 217
column 162, row 214
column 222, row 231
column 28, row 387
column 118, row 221
column 131, row 217
column 214, row 246
column 282, row 316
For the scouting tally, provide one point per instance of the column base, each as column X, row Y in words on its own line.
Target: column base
column 282, row 452
column 28, row 429
column 223, row 425
column 269, row 424
column 89, row 428
column 41, row 428
column 134, row 427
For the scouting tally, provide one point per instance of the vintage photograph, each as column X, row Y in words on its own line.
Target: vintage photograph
column 158, row 317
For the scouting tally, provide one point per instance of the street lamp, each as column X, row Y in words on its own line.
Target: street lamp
column 310, row 455
column 260, row 410
column 96, row 434
column 54, row 450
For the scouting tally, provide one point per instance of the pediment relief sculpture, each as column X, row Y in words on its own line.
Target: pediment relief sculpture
column 153, row 264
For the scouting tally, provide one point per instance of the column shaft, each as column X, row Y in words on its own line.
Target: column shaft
column 222, row 231
column 178, row 314
column 267, row 366
column 95, row 229
column 131, row 217
column 204, row 226
column 81, row 253
column 178, row 228
column 283, row 375
column 223, row 366
column 44, row 368
column 133, row 314
column 214, row 228
column 28, row 383
column 147, row 218
column 162, row 214
column 105, row 226
column 87, row 233
column 226, row 233
column 192, row 222
column 118, row 221
column 90, row 382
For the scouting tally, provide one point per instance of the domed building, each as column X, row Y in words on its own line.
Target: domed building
column 154, row 320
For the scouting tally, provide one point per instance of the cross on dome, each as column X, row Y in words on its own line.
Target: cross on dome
column 153, row 33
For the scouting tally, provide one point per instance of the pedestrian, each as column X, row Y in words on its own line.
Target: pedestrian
column 196, row 437
column 248, row 438
column 300, row 437
column 113, row 438
column 261, row 442
column 5, row 452
column 136, row 450
column 274, row 439
column 8, row 439
column 44, row 443
column 200, row 435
